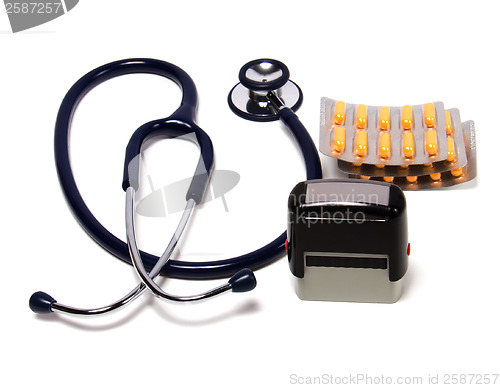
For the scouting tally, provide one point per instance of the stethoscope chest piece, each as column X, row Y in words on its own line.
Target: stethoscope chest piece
column 249, row 99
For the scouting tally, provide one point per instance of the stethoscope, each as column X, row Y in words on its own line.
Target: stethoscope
column 264, row 93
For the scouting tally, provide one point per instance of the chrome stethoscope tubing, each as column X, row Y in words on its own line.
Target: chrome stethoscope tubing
column 137, row 291
column 148, row 279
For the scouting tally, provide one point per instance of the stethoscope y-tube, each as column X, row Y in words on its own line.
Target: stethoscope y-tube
column 180, row 123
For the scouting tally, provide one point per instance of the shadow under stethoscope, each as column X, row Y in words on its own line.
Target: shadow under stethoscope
column 162, row 309
column 247, row 307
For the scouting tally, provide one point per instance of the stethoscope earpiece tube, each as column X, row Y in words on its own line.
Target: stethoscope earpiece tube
column 171, row 128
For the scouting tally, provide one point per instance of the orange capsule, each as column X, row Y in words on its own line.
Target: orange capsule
column 452, row 156
column 430, row 115
column 339, row 113
column 384, row 145
column 384, row 118
column 431, row 144
column 389, row 179
column 449, row 125
column 411, row 179
column 408, row 144
column 457, row 172
column 361, row 116
column 436, row 176
column 364, row 177
column 338, row 143
column 361, row 143
column 407, row 117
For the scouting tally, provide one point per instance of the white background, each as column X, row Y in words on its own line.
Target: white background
column 372, row 52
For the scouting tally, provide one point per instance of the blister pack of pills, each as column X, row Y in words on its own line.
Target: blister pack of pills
column 417, row 147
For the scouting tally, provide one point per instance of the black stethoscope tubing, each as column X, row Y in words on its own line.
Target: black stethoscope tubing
column 180, row 122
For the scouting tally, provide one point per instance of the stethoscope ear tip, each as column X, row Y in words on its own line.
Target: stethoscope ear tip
column 243, row 281
column 41, row 303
